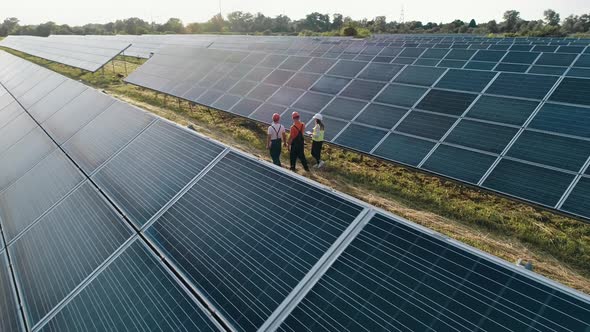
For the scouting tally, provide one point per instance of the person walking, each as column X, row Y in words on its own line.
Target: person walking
column 276, row 136
column 297, row 143
column 317, row 140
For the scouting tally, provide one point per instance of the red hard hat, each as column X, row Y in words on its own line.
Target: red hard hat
column 295, row 115
column 276, row 117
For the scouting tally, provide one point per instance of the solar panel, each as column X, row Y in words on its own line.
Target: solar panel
column 149, row 171
column 11, row 320
column 394, row 277
column 250, row 240
column 83, row 53
column 249, row 236
column 90, row 147
column 53, row 178
column 348, row 92
column 14, row 163
column 63, row 248
column 134, row 292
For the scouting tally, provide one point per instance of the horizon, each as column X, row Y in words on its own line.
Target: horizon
column 74, row 13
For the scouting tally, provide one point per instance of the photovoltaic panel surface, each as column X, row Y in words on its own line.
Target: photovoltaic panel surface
column 10, row 319
column 37, row 191
column 64, row 247
column 133, row 293
column 429, row 105
column 250, row 235
column 147, row 173
column 82, row 53
column 243, row 235
column 396, row 278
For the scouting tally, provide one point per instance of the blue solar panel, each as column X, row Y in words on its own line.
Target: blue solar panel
column 134, row 292
column 36, row 191
column 393, row 277
column 459, row 163
column 10, row 319
column 539, row 184
column 64, row 247
column 238, row 254
column 153, row 168
column 522, row 85
column 563, row 119
column 404, row 149
column 572, row 91
column 498, row 81
column 466, row 80
column 482, row 136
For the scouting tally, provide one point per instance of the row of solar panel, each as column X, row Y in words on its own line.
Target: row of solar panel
column 205, row 209
column 428, row 117
column 144, row 45
column 80, row 53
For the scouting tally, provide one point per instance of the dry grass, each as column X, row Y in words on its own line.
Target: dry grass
column 558, row 246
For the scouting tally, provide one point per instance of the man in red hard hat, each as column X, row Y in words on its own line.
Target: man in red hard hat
column 296, row 142
column 275, row 136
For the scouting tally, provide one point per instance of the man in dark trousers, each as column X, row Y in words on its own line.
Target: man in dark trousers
column 296, row 142
column 275, row 137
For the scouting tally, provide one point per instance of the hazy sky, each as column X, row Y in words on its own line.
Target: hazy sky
column 75, row 12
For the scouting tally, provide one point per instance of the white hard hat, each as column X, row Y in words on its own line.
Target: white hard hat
column 319, row 117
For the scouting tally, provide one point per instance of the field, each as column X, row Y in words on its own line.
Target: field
column 558, row 246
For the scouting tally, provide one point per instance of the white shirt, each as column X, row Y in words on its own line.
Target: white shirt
column 276, row 131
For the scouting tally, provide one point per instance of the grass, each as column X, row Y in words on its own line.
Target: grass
column 558, row 246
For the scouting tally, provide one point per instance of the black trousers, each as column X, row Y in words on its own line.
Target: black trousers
column 275, row 151
column 316, row 150
column 298, row 151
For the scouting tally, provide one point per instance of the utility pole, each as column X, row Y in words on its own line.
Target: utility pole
column 402, row 16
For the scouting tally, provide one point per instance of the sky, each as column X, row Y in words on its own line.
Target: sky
column 79, row 12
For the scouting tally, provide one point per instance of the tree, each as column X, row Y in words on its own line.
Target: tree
column 193, row 28
column 492, row 26
column 349, row 31
column 379, row 24
column 472, row 24
column 240, row 22
column 45, row 29
column 337, row 21
column 173, row 25
column 261, row 23
column 281, row 23
column 317, row 22
column 551, row 17
column 215, row 24
column 9, row 26
column 511, row 20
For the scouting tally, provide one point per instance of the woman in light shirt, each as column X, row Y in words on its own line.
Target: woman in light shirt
column 317, row 140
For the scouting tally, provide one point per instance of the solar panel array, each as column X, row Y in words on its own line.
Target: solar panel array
column 487, row 117
column 143, row 46
column 86, row 54
column 114, row 219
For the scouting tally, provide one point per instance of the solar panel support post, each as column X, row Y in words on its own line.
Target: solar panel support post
column 113, row 62
column 125, row 65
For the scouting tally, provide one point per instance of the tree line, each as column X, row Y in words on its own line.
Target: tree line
column 313, row 24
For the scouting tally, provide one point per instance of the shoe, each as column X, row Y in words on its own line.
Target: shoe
column 316, row 166
column 306, row 169
column 321, row 164
column 293, row 169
